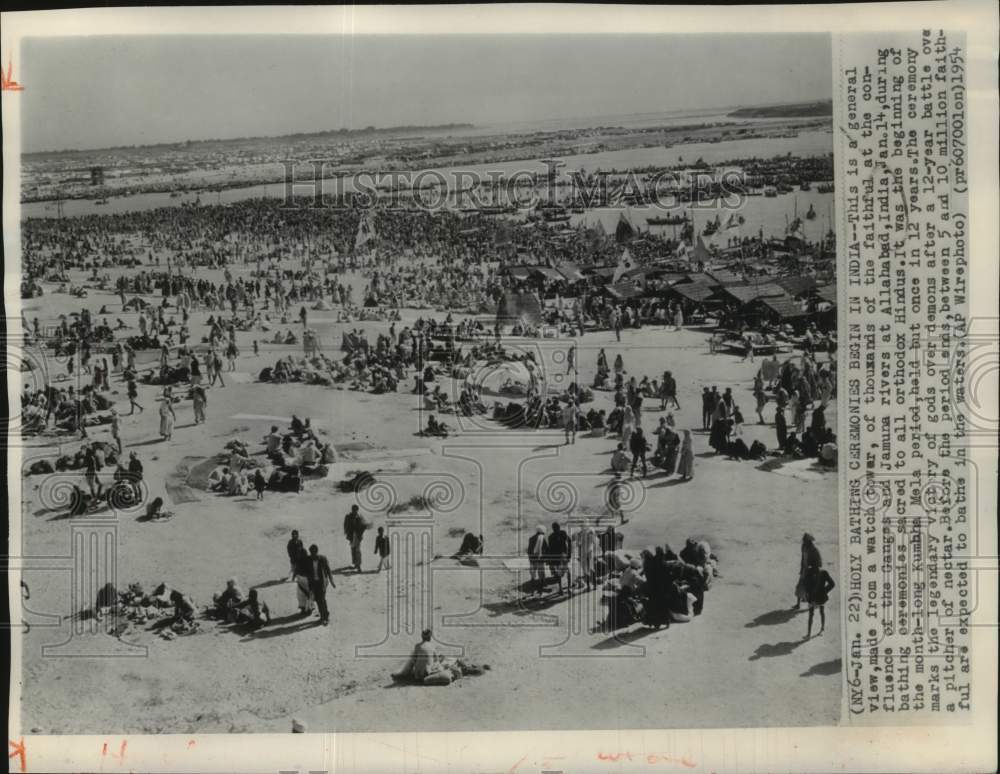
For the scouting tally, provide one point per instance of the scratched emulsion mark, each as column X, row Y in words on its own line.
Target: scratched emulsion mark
column 7, row 82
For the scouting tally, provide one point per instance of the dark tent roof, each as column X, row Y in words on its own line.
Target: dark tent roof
column 623, row 290
column 693, row 291
column 570, row 271
column 515, row 306
column 604, row 271
column 827, row 293
column 784, row 306
column 795, row 285
column 746, row 293
column 546, row 272
column 725, row 277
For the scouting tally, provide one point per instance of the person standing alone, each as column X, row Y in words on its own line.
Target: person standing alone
column 319, row 575
column 354, row 531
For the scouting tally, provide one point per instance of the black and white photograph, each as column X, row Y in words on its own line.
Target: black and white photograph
column 408, row 382
column 469, row 383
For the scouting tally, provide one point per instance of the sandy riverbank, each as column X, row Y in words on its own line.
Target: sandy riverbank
column 732, row 666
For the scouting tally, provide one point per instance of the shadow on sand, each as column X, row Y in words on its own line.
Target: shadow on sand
column 825, row 669
column 775, row 617
column 777, row 649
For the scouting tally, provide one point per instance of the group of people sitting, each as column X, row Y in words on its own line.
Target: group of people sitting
column 231, row 606
column 354, row 372
column 290, row 458
column 658, row 587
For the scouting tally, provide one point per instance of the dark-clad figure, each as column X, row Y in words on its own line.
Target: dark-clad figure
column 295, row 549
column 319, row 575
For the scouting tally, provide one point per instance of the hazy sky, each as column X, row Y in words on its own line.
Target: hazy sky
column 93, row 92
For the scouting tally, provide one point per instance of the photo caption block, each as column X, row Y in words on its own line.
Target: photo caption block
column 902, row 200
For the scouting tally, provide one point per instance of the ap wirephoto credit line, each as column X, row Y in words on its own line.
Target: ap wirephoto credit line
column 545, row 393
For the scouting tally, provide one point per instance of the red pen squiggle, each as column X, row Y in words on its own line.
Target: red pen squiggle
column 7, row 82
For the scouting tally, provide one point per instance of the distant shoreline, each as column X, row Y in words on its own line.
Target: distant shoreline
column 339, row 134
column 796, row 110
column 457, row 153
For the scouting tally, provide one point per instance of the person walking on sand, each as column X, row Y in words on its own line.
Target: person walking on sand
column 133, row 393
column 569, row 421
column 669, row 390
column 217, row 369
column 638, row 446
column 810, row 560
column 319, row 575
column 707, row 407
column 382, row 550
column 761, row 398
column 685, row 466
column 560, row 550
column 780, row 427
column 167, row 418
column 198, row 401
column 294, row 548
column 354, row 531
column 537, row 552
column 818, row 584
column 116, row 429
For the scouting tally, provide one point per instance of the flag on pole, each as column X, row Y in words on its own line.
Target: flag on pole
column 625, row 231
column 624, row 264
column 701, row 254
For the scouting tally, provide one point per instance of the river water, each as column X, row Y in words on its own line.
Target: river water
column 769, row 214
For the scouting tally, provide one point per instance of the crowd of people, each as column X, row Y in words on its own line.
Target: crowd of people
column 436, row 261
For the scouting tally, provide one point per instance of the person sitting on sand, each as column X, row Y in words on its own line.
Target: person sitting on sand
column 436, row 428
column 620, row 460
column 252, row 610
column 155, row 512
column 184, row 608
column 273, row 441
column 596, row 419
column 424, row 662
column 471, row 544
column 309, row 455
column 328, row 455
column 239, row 484
column 227, row 602
column 218, row 479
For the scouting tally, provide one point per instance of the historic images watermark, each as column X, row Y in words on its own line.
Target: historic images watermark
column 322, row 184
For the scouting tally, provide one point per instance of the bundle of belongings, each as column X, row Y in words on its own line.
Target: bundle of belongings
column 172, row 612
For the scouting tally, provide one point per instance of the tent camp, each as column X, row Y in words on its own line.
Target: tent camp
column 517, row 307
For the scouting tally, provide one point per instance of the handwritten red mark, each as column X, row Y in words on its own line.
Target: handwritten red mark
column 121, row 751
column 651, row 759
column 19, row 751
column 191, row 744
column 513, row 768
column 7, row 82
column 614, row 757
column 654, row 758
